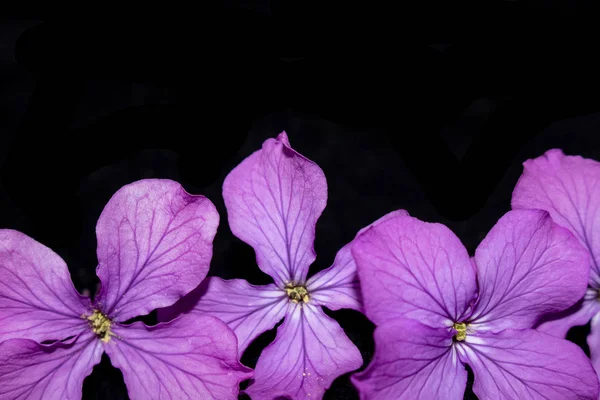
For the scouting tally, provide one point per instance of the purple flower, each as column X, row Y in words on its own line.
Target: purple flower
column 154, row 246
column 436, row 309
column 568, row 187
column 273, row 199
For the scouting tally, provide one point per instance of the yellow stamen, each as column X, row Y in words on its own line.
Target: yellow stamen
column 100, row 325
column 297, row 293
column 461, row 331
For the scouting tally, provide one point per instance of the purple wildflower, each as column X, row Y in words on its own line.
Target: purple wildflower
column 568, row 187
column 274, row 198
column 154, row 246
column 436, row 309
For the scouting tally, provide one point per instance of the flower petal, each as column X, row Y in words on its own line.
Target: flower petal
column 154, row 246
column 414, row 269
column 247, row 309
column 309, row 352
column 527, row 364
column 568, row 187
column 29, row 370
column 274, row 198
column 37, row 297
column 593, row 341
column 338, row 286
column 580, row 313
column 190, row 357
column 527, row 266
column 412, row 361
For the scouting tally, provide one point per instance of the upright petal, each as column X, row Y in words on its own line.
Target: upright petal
column 526, row 364
column 247, row 309
column 568, row 187
column 338, row 286
column 29, row 370
column 414, row 269
column 273, row 199
column 309, row 352
column 412, row 361
column 154, row 246
column 190, row 357
column 37, row 298
column 527, row 266
column 558, row 324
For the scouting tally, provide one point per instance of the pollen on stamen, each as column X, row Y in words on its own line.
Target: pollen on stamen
column 100, row 325
column 297, row 293
column 461, row 331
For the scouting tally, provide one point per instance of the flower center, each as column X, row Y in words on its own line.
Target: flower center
column 297, row 293
column 461, row 331
column 100, row 325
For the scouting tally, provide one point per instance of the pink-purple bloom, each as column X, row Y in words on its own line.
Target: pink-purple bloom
column 568, row 187
column 273, row 199
column 436, row 309
column 154, row 246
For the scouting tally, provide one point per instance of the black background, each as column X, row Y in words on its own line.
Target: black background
column 437, row 125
